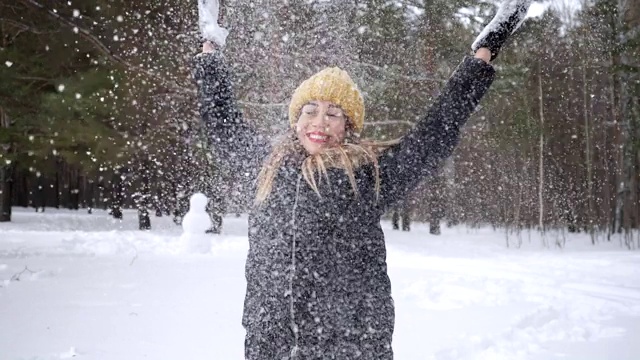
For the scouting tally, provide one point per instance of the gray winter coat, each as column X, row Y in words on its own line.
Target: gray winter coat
column 317, row 283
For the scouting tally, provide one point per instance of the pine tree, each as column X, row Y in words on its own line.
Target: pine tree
column 629, row 12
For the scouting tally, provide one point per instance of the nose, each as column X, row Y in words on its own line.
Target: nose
column 320, row 121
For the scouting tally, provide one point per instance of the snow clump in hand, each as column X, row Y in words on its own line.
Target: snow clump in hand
column 208, row 11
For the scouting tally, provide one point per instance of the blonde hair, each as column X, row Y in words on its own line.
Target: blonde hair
column 350, row 155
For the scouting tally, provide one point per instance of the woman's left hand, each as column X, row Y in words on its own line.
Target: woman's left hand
column 484, row 54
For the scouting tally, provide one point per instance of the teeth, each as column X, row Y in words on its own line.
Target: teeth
column 318, row 137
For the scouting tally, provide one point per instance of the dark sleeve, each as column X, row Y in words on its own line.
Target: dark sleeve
column 422, row 151
column 238, row 147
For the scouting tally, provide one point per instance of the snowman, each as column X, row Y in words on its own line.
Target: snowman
column 194, row 226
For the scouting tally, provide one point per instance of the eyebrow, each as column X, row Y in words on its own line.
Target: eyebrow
column 331, row 106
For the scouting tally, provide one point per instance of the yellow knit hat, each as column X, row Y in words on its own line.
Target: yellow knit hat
column 331, row 84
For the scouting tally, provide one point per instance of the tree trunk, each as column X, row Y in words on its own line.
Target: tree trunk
column 21, row 188
column 102, row 197
column 5, row 173
column 90, row 195
column 117, row 196
column 56, row 187
column 395, row 220
column 630, row 113
column 541, row 157
column 406, row 220
column 142, row 203
column 437, row 199
column 6, row 182
column 614, row 157
column 216, row 209
column 587, row 151
column 40, row 197
column 215, row 215
column 74, row 189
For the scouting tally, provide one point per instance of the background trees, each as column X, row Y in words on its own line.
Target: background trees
column 97, row 105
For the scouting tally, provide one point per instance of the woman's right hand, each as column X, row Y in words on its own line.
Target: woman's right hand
column 208, row 47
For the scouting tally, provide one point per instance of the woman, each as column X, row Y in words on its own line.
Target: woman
column 317, row 283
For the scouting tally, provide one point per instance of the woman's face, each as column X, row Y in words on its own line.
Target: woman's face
column 321, row 125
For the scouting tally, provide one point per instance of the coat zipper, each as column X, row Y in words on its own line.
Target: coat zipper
column 294, row 327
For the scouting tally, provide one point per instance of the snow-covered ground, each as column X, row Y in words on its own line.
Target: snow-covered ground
column 85, row 286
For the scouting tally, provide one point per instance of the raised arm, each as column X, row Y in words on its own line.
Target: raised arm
column 237, row 145
column 422, row 151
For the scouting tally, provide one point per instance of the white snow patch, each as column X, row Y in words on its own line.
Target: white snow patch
column 208, row 11
column 98, row 288
column 71, row 353
column 505, row 10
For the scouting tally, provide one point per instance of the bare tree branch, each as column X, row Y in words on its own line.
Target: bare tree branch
column 32, row 78
column 99, row 45
column 402, row 76
column 16, row 277
column 25, row 27
column 389, row 122
column 390, row 72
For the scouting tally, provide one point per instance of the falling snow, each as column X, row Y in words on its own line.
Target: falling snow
column 522, row 244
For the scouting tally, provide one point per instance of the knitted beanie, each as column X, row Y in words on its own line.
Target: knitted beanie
column 331, row 84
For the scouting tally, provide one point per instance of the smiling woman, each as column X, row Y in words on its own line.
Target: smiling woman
column 321, row 125
column 317, row 283
column 326, row 114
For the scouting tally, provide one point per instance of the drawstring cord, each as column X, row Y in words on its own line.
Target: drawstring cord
column 294, row 327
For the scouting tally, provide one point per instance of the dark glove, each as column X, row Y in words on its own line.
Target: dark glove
column 507, row 20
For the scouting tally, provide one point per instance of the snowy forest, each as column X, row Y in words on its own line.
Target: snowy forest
column 98, row 106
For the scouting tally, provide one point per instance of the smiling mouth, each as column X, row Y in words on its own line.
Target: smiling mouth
column 318, row 138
